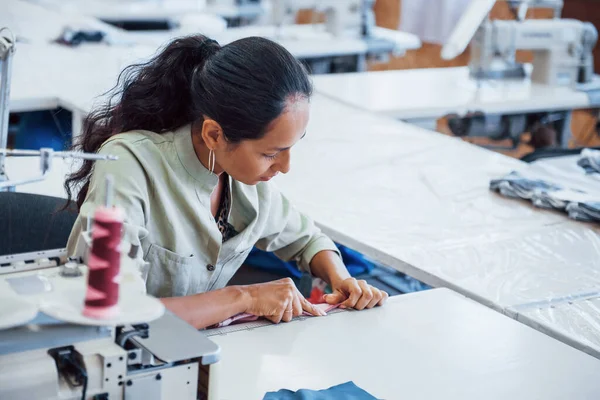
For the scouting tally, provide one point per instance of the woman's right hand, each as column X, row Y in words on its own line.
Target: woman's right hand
column 278, row 301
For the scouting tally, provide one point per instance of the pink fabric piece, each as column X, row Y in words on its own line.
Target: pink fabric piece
column 245, row 317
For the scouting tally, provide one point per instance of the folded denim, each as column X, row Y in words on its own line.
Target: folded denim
column 589, row 160
column 578, row 204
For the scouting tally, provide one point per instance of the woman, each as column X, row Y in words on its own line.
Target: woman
column 199, row 131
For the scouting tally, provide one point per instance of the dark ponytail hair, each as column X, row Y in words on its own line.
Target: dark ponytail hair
column 243, row 86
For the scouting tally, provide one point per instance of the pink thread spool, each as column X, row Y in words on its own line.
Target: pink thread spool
column 102, row 295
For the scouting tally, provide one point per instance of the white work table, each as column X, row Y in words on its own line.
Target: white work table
column 419, row 202
column 189, row 15
column 431, row 93
column 74, row 79
column 34, row 88
column 125, row 10
column 574, row 321
column 428, row 345
column 302, row 40
column 147, row 10
column 45, row 21
column 35, row 24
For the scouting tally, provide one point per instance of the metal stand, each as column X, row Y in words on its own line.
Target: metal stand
column 46, row 155
column 7, row 49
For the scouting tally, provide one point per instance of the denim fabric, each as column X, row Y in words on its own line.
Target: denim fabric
column 543, row 194
column 346, row 391
column 585, row 211
column 589, row 160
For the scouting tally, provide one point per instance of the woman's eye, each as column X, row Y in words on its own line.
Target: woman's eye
column 270, row 156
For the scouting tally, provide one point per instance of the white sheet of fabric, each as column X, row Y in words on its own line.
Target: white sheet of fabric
column 431, row 20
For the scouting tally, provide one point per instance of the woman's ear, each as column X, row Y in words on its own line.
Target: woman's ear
column 212, row 133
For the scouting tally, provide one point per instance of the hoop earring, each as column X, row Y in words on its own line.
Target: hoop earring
column 211, row 161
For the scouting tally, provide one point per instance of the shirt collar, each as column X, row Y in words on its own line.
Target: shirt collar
column 189, row 159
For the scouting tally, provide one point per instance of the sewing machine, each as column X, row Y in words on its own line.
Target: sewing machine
column 50, row 349
column 348, row 18
column 236, row 12
column 562, row 50
column 562, row 57
column 346, row 24
column 520, row 7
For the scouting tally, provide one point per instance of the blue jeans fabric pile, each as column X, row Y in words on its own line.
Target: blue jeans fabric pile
column 578, row 204
column 346, row 391
column 589, row 160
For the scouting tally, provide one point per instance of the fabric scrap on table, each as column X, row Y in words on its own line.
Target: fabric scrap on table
column 346, row 391
column 245, row 317
column 579, row 205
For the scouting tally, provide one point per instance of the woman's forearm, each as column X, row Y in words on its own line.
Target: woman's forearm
column 328, row 266
column 206, row 309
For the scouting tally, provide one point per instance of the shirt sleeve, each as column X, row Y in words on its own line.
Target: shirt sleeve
column 290, row 234
column 130, row 193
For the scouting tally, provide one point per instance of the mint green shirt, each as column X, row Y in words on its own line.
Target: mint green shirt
column 165, row 193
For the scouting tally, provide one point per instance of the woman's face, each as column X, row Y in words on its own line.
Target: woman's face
column 253, row 161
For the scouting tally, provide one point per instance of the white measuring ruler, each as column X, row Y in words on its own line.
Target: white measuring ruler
column 247, row 326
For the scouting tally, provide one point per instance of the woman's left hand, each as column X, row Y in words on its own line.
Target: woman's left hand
column 356, row 294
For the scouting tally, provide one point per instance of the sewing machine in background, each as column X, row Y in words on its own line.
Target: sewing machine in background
column 347, row 18
column 341, row 22
column 562, row 56
column 237, row 12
